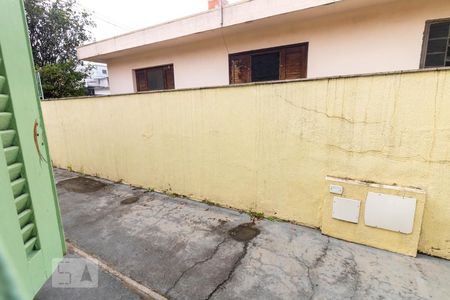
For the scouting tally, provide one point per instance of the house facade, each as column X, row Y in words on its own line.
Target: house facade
column 263, row 40
column 97, row 82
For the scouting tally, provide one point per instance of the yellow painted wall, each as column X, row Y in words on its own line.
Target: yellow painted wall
column 268, row 147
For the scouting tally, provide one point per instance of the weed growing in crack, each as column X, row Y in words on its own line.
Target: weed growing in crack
column 256, row 215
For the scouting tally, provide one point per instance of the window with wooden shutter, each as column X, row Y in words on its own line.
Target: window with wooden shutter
column 294, row 62
column 279, row 63
column 169, row 80
column 436, row 45
column 239, row 68
column 155, row 78
column 141, row 81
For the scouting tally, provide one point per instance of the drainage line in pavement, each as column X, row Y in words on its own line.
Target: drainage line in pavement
column 133, row 285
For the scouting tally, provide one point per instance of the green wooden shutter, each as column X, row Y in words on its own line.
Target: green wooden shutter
column 30, row 225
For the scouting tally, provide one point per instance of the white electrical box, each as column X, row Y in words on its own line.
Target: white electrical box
column 346, row 209
column 336, row 189
column 390, row 212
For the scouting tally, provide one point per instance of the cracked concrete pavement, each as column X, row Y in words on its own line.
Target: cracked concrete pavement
column 183, row 249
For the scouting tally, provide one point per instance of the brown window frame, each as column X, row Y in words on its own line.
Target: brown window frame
column 425, row 40
column 279, row 49
column 168, row 73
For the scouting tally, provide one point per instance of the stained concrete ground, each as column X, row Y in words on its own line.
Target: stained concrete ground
column 184, row 249
column 109, row 288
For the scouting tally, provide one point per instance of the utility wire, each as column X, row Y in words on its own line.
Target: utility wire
column 103, row 18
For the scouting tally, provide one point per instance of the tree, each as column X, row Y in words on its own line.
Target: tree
column 56, row 29
column 62, row 80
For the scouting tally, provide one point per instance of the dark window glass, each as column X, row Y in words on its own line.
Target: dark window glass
column 266, row 67
column 439, row 45
column 435, row 60
column 439, row 30
column 155, row 79
column 437, row 51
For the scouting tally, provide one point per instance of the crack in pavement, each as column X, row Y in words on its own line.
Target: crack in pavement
column 307, row 267
column 214, row 252
column 163, row 216
column 231, row 272
column 352, row 270
column 314, row 265
column 356, row 274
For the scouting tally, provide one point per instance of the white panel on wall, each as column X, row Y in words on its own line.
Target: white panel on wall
column 346, row 209
column 336, row 189
column 390, row 212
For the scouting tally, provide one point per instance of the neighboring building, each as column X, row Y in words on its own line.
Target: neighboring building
column 263, row 40
column 98, row 82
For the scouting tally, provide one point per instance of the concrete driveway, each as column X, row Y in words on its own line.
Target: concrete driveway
column 184, row 249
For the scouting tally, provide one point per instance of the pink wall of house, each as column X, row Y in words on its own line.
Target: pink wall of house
column 377, row 38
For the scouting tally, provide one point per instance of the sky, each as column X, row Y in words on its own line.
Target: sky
column 117, row 17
